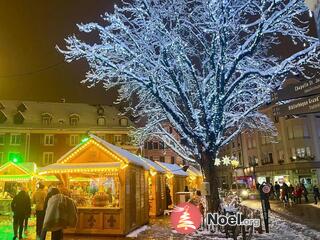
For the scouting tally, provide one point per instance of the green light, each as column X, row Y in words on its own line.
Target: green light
column 15, row 157
column 85, row 140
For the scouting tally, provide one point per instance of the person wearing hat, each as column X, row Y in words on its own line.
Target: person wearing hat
column 38, row 199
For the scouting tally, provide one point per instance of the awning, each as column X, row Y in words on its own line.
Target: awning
column 173, row 169
column 107, row 167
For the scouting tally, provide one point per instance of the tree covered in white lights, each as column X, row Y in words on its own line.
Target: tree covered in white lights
column 204, row 66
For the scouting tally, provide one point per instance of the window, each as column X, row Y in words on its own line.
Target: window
column 15, row 139
column 47, row 158
column 48, row 140
column 170, row 130
column 123, row 122
column 172, row 159
column 161, row 145
column 74, row 120
column 162, row 159
column 1, row 157
column 2, row 137
column 290, row 133
column 298, row 131
column 74, row 140
column 281, row 154
column 101, row 121
column 46, row 119
column 301, row 153
column 117, row 138
column 155, row 145
column 150, row 145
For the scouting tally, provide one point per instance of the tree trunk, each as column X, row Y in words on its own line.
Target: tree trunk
column 210, row 174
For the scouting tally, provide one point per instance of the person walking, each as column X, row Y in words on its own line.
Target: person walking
column 305, row 192
column 316, row 194
column 21, row 208
column 38, row 198
column 299, row 191
column 277, row 190
column 55, row 235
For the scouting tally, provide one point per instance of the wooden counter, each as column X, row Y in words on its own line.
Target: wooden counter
column 99, row 221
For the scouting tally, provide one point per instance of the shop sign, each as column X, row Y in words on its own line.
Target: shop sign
column 297, row 107
column 298, row 90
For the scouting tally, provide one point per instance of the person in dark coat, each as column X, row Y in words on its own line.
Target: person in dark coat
column 21, row 208
column 305, row 192
column 277, row 190
column 168, row 197
column 316, row 194
column 55, row 235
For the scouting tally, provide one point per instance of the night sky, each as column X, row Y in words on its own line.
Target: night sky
column 30, row 66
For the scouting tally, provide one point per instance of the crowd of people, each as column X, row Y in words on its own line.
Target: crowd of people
column 289, row 194
column 54, row 211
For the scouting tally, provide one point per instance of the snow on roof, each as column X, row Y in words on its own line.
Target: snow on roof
column 60, row 111
column 173, row 168
column 27, row 167
column 116, row 150
column 154, row 165
column 121, row 152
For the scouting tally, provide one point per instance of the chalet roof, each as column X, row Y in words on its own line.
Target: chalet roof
column 154, row 165
column 60, row 111
column 81, row 167
column 194, row 170
column 173, row 168
column 119, row 152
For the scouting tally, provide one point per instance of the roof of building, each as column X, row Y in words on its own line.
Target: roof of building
column 154, row 165
column 173, row 168
column 63, row 165
column 60, row 112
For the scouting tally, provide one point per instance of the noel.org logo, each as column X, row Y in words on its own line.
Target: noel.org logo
column 185, row 218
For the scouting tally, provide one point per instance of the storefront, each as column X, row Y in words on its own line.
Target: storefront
column 12, row 177
column 176, row 179
column 194, row 179
column 108, row 184
column 157, row 193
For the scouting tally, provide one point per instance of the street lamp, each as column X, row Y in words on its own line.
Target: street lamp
column 253, row 165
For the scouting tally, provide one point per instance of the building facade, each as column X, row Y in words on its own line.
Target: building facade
column 156, row 150
column 292, row 156
column 42, row 132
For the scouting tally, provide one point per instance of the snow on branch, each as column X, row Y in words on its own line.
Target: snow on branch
column 203, row 66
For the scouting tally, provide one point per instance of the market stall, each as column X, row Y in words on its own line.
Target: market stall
column 175, row 180
column 12, row 177
column 194, row 179
column 109, row 185
column 157, row 181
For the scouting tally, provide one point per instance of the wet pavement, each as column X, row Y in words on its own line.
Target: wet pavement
column 305, row 213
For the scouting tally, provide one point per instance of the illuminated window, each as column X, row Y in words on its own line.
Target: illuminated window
column 15, row 139
column 2, row 137
column 48, row 140
column 47, row 158
column 74, row 140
